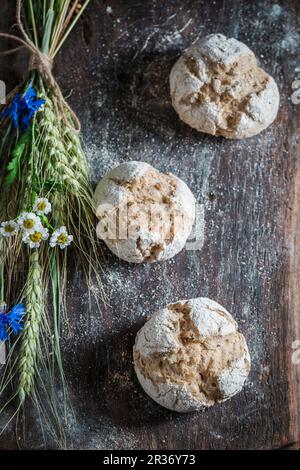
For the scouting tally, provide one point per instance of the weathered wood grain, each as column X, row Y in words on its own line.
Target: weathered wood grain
column 116, row 65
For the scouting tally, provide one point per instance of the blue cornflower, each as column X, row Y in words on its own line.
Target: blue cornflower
column 22, row 108
column 13, row 319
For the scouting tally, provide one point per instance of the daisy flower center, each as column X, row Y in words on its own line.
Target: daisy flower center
column 62, row 238
column 41, row 206
column 29, row 223
column 36, row 237
column 9, row 229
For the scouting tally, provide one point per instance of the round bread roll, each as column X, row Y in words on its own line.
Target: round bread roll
column 218, row 88
column 190, row 355
column 144, row 215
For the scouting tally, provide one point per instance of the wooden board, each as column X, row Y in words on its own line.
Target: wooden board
column 115, row 71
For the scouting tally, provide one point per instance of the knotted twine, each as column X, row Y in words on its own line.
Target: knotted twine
column 43, row 63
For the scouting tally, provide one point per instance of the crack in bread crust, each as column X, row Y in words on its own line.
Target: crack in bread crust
column 197, row 362
column 229, row 87
column 217, row 87
column 155, row 213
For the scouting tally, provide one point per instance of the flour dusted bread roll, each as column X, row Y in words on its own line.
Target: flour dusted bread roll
column 217, row 87
column 190, row 355
column 144, row 215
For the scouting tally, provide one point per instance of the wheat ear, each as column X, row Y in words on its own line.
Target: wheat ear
column 66, row 170
column 56, row 168
column 30, row 345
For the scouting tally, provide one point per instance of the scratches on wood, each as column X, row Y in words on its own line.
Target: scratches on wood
column 251, row 195
column 293, row 298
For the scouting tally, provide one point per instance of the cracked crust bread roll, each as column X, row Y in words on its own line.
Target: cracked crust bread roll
column 190, row 355
column 144, row 215
column 218, row 88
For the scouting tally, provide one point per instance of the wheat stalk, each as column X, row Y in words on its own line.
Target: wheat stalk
column 3, row 253
column 55, row 166
column 30, row 344
column 64, row 166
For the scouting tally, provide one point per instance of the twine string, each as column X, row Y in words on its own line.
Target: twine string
column 43, row 63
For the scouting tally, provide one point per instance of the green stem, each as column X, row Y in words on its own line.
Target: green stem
column 57, row 28
column 2, row 257
column 55, row 276
column 33, row 24
column 44, row 12
column 71, row 27
column 48, row 28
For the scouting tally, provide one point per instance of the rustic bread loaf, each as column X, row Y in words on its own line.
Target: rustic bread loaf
column 144, row 215
column 190, row 355
column 218, row 88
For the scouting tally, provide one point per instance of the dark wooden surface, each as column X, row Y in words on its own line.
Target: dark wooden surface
column 115, row 70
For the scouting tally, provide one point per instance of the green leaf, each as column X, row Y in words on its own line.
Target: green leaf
column 13, row 167
column 46, row 222
column 33, row 197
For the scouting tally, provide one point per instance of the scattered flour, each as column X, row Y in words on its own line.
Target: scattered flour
column 126, row 114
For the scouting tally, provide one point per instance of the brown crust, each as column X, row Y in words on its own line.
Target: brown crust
column 197, row 363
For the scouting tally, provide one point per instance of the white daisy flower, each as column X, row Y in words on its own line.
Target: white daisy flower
column 35, row 238
column 61, row 238
column 9, row 228
column 29, row 221
column 42, row 206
